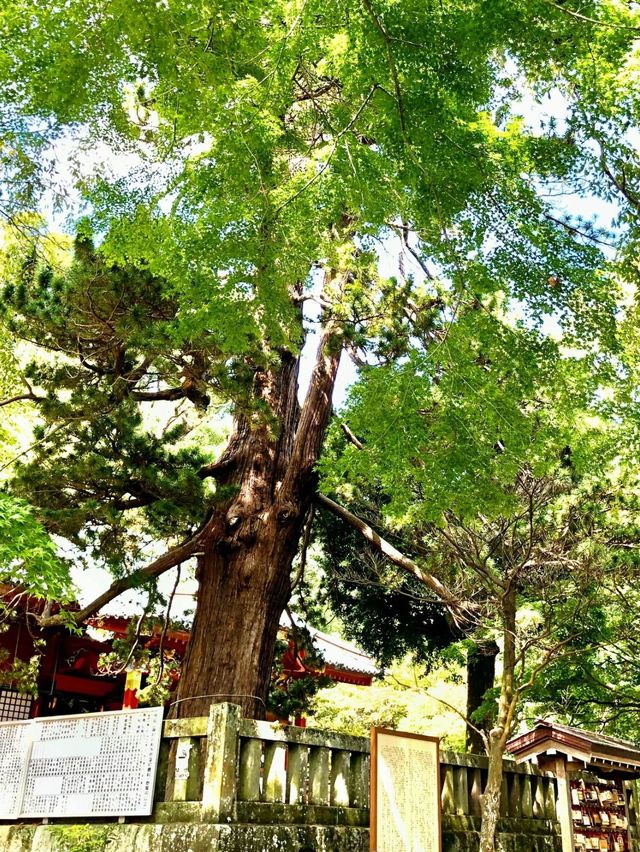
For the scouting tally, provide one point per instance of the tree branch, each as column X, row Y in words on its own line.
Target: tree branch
column 123, row 505
column 306, row 537
column 216, row 468
column 351, row 437
column 461, row 611
column 392, row 64
column 403, row 233
column 168, row 394
column 315, row 413
column 587, row 20
column 168, row 560
column 22, row 396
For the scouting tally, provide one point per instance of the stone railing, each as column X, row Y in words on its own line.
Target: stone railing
column 228, row 769
column 527, row 807
column 236, row 785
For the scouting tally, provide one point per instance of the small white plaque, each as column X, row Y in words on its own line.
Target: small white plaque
column 79, row 803
column 69, row 747
column 48, row 786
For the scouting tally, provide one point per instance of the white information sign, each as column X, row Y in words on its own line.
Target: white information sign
column 405, row 792
column 15, row 744
column 95, row 764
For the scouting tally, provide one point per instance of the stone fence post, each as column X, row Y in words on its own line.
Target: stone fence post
column 219, row 788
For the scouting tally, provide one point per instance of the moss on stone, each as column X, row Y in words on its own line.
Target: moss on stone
column 460, row 834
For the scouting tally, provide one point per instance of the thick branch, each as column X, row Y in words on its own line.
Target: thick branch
column 461, row 611
column 315, row 413
column 168, row 560
column 123, row 505
column 187, row 390
column 22, row 396
column 351, row 437
column 217, row 468
column 166, row 395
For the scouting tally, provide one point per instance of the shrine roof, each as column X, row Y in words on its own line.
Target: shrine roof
column 337, row 653
column 118, row 625
column 343, row 655
column 18, row 599
column 600, row 750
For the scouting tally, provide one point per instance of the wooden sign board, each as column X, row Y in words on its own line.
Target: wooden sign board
column 405, row 792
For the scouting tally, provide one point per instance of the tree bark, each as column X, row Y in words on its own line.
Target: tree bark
column 243, row 589
column 266, row 482
column 481, row 672
column 499, row 734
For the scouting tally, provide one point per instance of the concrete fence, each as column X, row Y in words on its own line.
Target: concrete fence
column 230, row 784
column 240, row 771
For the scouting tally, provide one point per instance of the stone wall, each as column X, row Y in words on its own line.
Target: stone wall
column 227, row 784
column 459, row 835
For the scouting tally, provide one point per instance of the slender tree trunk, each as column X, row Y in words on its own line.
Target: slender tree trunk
column 266, row 481
column 481, row 672
column 499, row 734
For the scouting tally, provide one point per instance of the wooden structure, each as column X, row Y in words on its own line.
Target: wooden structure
column 596, row 784
column 67, row 680
column 344, row 662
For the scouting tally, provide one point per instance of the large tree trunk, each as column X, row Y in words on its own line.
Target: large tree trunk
column 498, row 735
column 481, row 672
column 243, row 589
column 266, row 482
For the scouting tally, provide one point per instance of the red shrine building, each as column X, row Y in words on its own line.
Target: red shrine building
column 69, row 679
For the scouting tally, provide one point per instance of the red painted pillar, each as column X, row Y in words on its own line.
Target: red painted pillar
column 131, row 687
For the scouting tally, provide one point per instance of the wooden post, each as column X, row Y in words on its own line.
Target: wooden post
column 131, row 687
column 628, row 792
column 631, row 788
column 563, row 804
column 219, row 788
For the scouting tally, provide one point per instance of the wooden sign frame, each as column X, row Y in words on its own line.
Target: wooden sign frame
column 373, row 804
